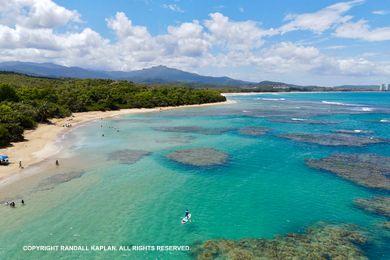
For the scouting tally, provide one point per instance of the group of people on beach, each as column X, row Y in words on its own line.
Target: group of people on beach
column 21, row 165
column 68, row 124
column 12, row 204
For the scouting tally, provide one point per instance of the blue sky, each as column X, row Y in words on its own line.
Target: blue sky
column 156, row 17
column 296, row 41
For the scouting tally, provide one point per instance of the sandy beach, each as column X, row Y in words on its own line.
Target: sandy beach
column 40, row 143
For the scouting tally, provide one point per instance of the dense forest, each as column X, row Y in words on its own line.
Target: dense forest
column 26, row 101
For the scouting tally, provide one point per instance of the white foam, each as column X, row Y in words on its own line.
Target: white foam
column 336, row 103
column 357, row 106
column 364, row 109
column 272, row 99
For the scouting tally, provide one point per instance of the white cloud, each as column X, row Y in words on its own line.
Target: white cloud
column 123, row 28
column 235, row 35
column 36, row 13
column 334, row 17
column 189, row 38
column 361, row 30
column 335, row 47
column 321, row 20
column 173, row 7
column 218, row 42
column 380, row 12
column 288, row 57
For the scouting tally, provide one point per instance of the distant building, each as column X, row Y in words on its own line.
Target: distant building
column 384, row 87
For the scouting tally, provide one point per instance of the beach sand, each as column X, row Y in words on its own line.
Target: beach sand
column 41, row 144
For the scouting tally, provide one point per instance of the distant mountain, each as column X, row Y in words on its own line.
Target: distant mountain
column 157, row 74
column 49, row 70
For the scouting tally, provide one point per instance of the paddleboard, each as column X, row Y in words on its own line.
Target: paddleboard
column 186, row 219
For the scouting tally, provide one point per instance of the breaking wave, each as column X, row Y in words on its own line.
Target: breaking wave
column 272, row 99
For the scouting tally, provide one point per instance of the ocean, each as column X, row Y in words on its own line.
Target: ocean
column 115, row 185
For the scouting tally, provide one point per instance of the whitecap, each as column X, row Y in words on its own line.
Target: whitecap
column 335, row 103
column 272, row 99
column 364, row 109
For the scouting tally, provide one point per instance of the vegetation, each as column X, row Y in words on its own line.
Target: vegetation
column 26, row 101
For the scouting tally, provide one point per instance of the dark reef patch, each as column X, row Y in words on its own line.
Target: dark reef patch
column 321, row 242
column 334, row 139
column 199, row 157
column 194, row 130
column 127, row 156
column 377, row 205
column 368, row 170
column 253, row 130
column 54, row 180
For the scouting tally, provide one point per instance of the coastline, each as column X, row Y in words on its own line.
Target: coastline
column 229, row 94
column 41, row 143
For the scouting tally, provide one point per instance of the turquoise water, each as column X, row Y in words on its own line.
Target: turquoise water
column 264, row 189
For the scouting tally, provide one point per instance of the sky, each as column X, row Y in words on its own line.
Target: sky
column 305, row 42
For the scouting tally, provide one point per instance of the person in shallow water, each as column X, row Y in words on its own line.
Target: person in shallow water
column 187, row 213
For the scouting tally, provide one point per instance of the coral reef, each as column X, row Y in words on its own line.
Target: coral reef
column 194, row 130
column 368, row 170
column 320, row 242
column 334, row 139
column 199, row 157
column 127, row 156
column 253, row 130
column 54, row 180
column 377, row 205
column 384, row 225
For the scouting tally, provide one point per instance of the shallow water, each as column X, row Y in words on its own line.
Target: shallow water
column 264, row 189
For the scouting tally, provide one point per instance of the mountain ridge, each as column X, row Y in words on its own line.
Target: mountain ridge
column 155, row 74
column 159, row 75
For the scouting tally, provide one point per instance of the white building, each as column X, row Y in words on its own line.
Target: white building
column 384, row 87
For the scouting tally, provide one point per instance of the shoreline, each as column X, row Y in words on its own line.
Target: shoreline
column 229, row 94
column 42, row 142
